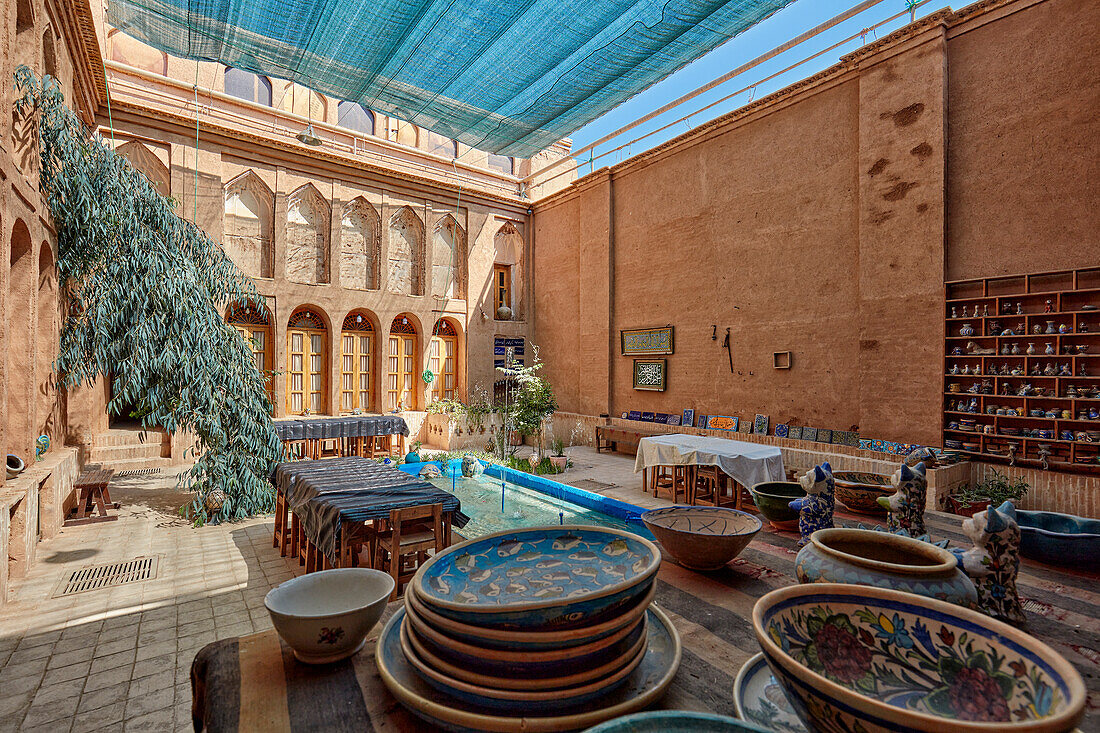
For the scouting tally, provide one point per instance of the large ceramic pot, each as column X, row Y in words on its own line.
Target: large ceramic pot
column 967, row 508
column 1059, row 539
column 773, row 499
column 702, row 537
column 15, row 465
column 857, row 658
column 860, row 491
column 884, row 560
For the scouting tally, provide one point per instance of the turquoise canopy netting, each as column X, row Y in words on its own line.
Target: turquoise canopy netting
column 509, row 77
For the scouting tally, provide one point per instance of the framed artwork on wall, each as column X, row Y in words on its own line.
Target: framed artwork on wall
column 634, row 415
column 625, row 414
column 824, row 436
column 647, row 417
column 688, row 418
column 809, row 433
column 745, row 427
column 673, row 420
column 794, row 432
column 722, row 422
column 701, row 421
column 760, row 425
column 646, row 341
column 650, row 374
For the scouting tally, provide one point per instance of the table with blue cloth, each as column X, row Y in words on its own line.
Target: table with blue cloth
column 354, row 434
column 325, row 495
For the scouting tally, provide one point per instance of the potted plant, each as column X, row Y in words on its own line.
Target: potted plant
column 413, row 456
column 559, row 459
column 970, row 499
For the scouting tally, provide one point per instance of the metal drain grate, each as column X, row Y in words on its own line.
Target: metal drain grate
column 138, row 472
column 94, row 577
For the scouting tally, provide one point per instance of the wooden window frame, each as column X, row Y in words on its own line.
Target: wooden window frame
column 505, row 287
column 307, row 373
column 351, row 399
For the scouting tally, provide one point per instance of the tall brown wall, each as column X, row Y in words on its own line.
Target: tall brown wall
column 824, row 219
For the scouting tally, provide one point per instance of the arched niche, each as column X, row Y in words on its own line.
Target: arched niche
column 146, row 161
column 302, row 101
column 130, row 51
column 247, row 228
column 508, row 265
column 19, row 377
column 307, row 234
column 448, row 259
column 360, row 245
column 46, row 346
column 406, row 260
column 49, row 53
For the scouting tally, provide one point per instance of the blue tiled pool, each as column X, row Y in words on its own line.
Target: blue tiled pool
column 528, row 501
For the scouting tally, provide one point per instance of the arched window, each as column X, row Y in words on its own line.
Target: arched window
column 406, row 266
column 146, row 161
column 247, row 86
column 354, row 116
column 307, row 345
column 49, row 55
column 356, row 355
column 449, row 259
column 247, row 230
column 443, row 360
column 360, row 245
column 130, row 51
column 255, row 327
column 406, row 133
column 307, row 231
column 401, row 377
column 502, row 163
column 441, row 145
column 508, row 269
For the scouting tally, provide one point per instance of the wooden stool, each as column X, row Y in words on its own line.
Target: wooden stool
column 282, row 524
column 710, row 487
column 674, row 479
column 93, row 492
column 405, row 540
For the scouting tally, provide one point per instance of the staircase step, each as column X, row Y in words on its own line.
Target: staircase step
column 105, row 453
column 127, row 437
column 133, row 464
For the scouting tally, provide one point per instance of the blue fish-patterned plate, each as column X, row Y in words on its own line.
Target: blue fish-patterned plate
column 759, row 699
column 539, row 578
column 642, row 687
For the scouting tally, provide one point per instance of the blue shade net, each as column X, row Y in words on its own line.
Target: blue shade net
column 509, row 77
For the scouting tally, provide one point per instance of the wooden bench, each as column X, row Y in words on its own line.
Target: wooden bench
column 92, row 487
column 615, row 438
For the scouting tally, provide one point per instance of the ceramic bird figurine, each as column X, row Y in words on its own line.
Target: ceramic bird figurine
column 994, row 562
column 815, row 509
column 906, row 505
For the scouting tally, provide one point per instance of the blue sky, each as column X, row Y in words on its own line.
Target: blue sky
column 796, row 18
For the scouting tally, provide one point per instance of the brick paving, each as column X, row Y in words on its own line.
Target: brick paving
column 119, row 658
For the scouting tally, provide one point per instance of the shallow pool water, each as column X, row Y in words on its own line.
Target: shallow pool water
column 521, row 507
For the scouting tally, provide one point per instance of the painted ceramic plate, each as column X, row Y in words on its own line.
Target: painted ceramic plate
column 759, row 699
column 675, row 721
column 642, row 687
column 539, row 578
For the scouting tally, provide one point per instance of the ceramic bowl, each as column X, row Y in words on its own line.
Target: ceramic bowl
column 1059, row 539
column 702, row 537
column 325, row 616
column 539, row 578
column 526, row 663
column 506, row 640
column 860, row 491
column 532, row 702
column 851, row 657
column 758, row 698
column 773, row 499
column 676, row 721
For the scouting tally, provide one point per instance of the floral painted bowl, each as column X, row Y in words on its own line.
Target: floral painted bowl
column 1059, row 539
column 773, row 499
column 519, row 641
column 702, row 537
column 324, row 617
column 859, row 658
column 539, row 578
column 860, row 491
column 676, row 721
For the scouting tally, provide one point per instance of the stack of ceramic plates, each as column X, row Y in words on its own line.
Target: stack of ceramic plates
column 545, row 628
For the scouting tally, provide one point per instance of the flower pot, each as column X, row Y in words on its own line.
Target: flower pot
column 515, row 438
column 884, row 560
column 559, row 462
column 967, row 508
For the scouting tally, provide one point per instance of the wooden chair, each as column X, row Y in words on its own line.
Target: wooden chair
column 709, row 487
column 403, row 542
column 282, row 524
column 673, row 479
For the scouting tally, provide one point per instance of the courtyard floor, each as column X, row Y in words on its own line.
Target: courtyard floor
column 120, row 658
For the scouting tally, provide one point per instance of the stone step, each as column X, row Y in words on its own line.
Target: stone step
column 133, row 464
column 105, row 453
column 128, row 437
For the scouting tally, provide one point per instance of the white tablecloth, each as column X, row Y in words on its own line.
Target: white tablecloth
column 746, row 463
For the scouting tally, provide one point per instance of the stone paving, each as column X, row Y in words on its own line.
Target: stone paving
column 119, row 658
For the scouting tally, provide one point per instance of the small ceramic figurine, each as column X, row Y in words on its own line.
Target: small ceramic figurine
column 1019, row 309
column 1030, row 349
column 985, row 309
column 965, row 315
column 954, row 314
column 471, row 466
column 1050, row 370
column 1065, row 328
column 430, row 470
column 955, row 369
column 1051, row 328
column 966, row 330
column 1015, row 349
column 1037, row 329
column 1050, row 349
column 994, row 562
column 1064, row 371
column 1004, row 349
column 906, row 505
column 815, row 509
column 1049, row 307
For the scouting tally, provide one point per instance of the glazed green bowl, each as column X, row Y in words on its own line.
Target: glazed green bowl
column 860, row 491
column 852, row 657
column 773, row 499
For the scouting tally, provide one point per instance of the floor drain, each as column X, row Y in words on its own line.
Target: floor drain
column 138, row 472
column 94, row 577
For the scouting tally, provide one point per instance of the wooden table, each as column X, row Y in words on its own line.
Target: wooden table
column 352, row 435
column 93, row 491
column 254, row 683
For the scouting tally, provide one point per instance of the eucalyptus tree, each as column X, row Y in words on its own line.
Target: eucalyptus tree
column 145, row 291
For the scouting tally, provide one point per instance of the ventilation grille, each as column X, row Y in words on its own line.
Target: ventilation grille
column 95, row 577
column 138, row 472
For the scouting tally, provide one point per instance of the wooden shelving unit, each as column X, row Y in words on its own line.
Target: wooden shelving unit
column 1069, row 428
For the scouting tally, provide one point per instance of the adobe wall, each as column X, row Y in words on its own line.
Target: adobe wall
column 824, row 220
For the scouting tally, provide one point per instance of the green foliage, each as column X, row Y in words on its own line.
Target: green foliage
column 544, row 466
column 534, row 399
column 445, row 407
column 145, row 293
column 559, row 447
column 998, row 489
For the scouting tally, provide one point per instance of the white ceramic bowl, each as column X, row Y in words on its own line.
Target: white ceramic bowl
column 325, row 617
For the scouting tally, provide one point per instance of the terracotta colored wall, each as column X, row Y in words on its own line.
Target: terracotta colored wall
column 824, row 220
